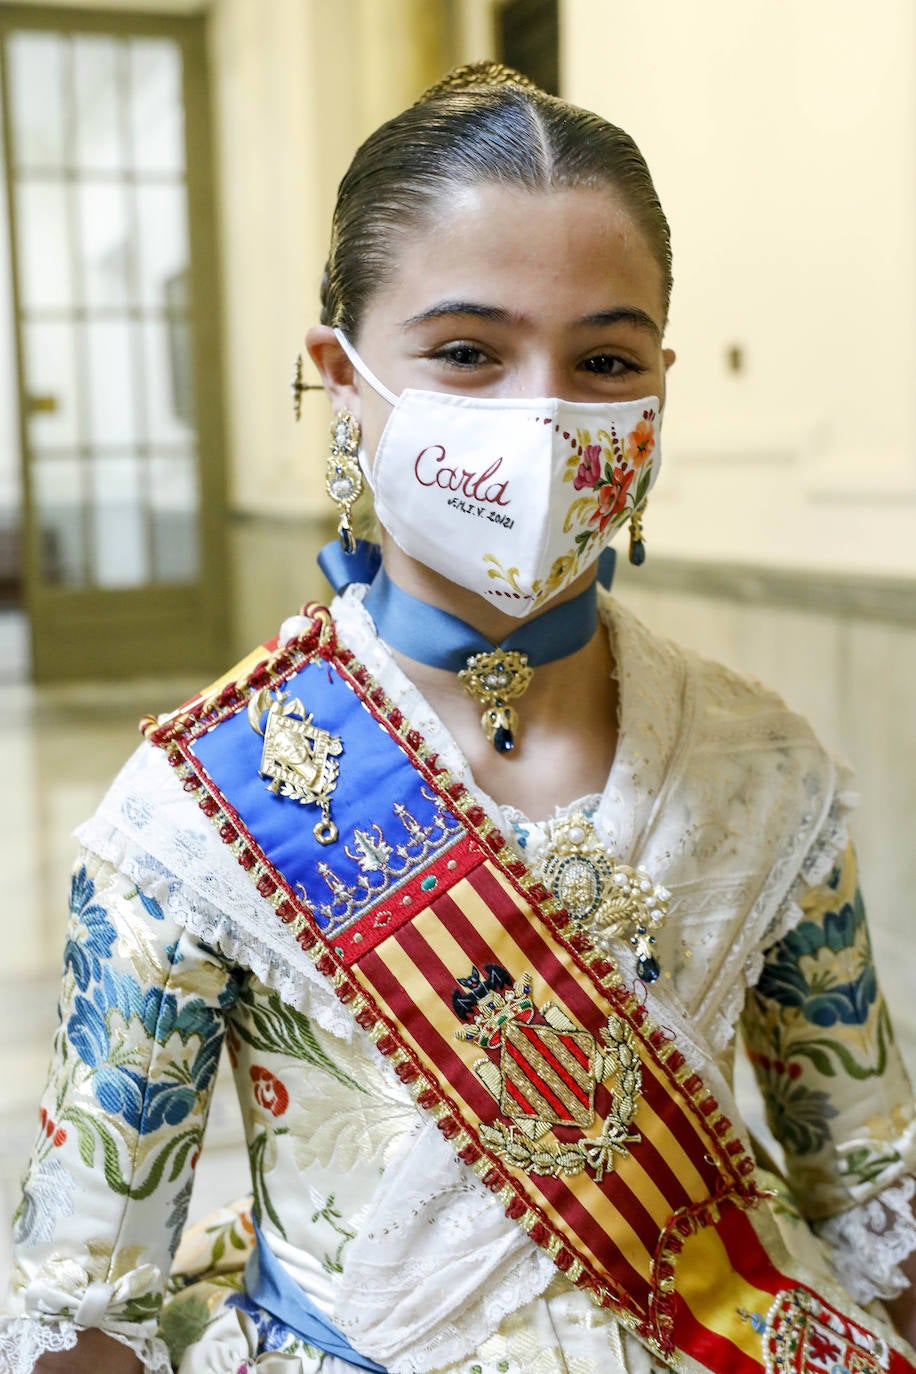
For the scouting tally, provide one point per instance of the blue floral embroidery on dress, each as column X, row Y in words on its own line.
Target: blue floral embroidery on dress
column 823, row 1001
column 798, row 1116
column 151, row 906
column 88, row 1033
column 178, row 1214
column 145, row 1106
column 123, row 1091
column 85, row 955
column 119, row 1088
column 46, row 1198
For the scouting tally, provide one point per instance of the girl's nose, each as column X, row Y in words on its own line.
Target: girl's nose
column 540, row 377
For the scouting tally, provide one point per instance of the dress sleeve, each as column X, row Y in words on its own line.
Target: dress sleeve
column 106, row 1193
column 837, row 1096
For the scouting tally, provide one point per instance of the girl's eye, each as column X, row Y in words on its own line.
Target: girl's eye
column 461, row 355
column 610, row 365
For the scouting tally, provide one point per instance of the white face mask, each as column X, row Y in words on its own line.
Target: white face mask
column 512, row 499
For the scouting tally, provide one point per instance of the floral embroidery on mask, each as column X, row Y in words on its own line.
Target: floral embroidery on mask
column 607, row 468
column 589, row 471
column 612, row 498
column 642, row 441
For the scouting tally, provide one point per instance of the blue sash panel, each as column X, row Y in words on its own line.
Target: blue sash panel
column 269, row 1285
column 391, row 826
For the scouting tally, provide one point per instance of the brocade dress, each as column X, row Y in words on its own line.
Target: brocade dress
column 172, row 952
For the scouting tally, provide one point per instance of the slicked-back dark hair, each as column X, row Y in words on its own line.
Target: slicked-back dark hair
column 482, row 123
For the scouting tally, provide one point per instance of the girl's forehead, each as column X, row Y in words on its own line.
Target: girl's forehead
column 558, row 247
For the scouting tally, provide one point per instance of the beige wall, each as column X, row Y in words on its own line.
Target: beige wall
column 297, row 84
column 782, row 137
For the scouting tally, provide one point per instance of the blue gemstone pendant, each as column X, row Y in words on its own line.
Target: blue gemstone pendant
column 495, row 679
column 503, row 740
column 647, row 969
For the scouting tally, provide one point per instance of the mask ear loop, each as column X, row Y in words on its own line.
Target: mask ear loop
column 365, row 372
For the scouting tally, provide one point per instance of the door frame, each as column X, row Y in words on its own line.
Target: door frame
column 100, row 632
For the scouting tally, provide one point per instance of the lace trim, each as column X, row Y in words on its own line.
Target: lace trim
column 23, row 1340
column 829, row 844
column 868, row 1243
column 533, row 835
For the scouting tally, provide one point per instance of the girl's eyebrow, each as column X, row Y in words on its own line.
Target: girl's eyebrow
column 622, row 314
column 475, row 308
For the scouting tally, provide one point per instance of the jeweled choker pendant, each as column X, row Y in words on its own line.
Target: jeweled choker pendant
column 494, row 675
column 495, row 679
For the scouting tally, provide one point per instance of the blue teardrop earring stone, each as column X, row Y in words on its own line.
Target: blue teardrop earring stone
column 346, row 539
column 637, row 553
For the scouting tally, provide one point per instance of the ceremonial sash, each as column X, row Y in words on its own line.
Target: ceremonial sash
column 543, row 1070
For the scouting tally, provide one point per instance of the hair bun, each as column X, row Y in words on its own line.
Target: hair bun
column 477, row 76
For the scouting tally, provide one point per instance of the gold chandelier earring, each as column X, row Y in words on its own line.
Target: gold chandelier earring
column 637, row 538
column 343, row 478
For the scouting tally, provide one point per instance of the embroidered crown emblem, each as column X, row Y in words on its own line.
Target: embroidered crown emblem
column 298, row 758
column 496, row 1013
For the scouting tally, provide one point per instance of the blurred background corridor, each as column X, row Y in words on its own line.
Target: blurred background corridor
column 169, row 170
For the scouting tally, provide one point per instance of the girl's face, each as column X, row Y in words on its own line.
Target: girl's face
column 510, row 293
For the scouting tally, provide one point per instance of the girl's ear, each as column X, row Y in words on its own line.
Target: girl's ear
column 337, row 372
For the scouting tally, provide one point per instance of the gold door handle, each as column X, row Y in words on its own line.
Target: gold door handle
column 41, row 405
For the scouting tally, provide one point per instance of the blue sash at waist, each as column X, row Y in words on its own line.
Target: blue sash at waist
column 269, row 1285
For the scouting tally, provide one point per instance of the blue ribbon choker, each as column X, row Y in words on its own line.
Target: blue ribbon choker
column 495, row 675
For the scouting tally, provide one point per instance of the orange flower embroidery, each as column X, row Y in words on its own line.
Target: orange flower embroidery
column 641, row 442
column 612, row 498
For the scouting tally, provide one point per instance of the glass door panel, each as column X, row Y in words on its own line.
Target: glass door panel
column 46, row 267
column 120, row 542
column 98, row 172
column 156, row 108
column 98, row 79
column 58, row 503
column 49, row 349
column 173, row 502
column 37, row 66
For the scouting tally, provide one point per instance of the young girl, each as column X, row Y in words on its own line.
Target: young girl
column 475, row 876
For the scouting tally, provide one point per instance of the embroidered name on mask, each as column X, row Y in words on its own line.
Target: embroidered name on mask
column 471, row 484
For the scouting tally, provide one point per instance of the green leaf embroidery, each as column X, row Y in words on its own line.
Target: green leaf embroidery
column 275, row 1028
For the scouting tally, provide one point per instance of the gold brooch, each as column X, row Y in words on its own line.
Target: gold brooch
column 298, row 756
column 495, row 679
column 617, row 901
